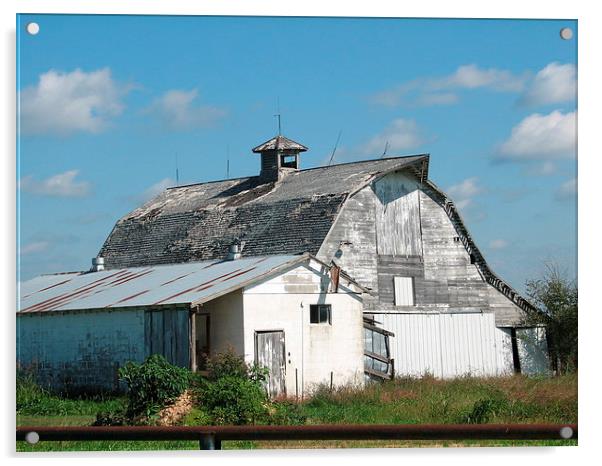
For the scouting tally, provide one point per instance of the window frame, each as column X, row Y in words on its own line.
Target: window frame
column 318, row 308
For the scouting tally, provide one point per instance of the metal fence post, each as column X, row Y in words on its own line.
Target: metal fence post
column 209, row 442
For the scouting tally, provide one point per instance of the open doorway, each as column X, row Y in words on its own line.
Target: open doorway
column 202, row 340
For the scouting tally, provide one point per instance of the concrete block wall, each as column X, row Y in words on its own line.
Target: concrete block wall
column 82, row 350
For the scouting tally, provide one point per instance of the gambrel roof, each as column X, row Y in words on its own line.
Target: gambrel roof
column 200, row 221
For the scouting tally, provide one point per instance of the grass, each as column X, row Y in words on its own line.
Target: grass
column 516, row 399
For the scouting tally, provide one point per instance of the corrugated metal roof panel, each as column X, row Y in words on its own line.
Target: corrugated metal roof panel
column 193, row 282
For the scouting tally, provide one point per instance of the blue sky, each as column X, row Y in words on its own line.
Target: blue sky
column 106, row 103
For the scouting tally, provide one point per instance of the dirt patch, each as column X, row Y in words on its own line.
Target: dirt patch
column 174, row 413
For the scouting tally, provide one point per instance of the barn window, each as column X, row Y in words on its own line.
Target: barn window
column 320, row 314
column 288, row 161
column 404, row 291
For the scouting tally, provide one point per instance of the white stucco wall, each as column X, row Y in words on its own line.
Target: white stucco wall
column 226, row 322
column 80, row 349
column 312, row 351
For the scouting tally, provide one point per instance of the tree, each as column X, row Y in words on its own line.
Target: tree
column 555, row 296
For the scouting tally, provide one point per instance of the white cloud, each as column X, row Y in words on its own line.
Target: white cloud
column 61, row 185
column 566, row 190
column 498, row 244
column 439, row 91
column 178, row 110
column 156, row 189
column 34, row 247
column 556, row 83
column 401, row 134
column 464, row 192
column 473, row 77
column 542, row 137
column 64, row 103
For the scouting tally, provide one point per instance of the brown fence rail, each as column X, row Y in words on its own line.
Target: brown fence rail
column 210, row 437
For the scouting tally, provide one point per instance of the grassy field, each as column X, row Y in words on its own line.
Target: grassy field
column 515, row 399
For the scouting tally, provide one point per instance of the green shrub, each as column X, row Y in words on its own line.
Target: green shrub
column 233, row 392
column 235, row 400
column 287, row 413
column 152, row 385
column 227, row 364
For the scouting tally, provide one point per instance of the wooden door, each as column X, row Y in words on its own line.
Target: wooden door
column 270, row 353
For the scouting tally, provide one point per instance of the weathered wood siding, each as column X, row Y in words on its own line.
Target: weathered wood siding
column 167, row 332
column 396, row 228
column 270, row 353
column 397, row 216
column 352, row 240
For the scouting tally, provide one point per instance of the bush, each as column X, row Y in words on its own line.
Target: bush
column 227, row 364
column 235, row 400
column 556, row 299
column 287, row 413
column 152, row 385
column 233, row 392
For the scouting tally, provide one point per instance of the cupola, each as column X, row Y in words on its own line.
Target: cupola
column 279, row 156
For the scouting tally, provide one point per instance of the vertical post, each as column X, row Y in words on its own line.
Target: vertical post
column 192, row 341
column 209, row 442
column 331, row 381
column 296, row 384
column 515, row 353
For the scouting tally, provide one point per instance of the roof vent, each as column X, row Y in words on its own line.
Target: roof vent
column 98, row 264
column 235, row 251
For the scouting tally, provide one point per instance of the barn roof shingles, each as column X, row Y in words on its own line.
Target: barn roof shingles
column 200, row 221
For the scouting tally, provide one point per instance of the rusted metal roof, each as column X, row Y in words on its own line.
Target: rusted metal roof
column 280, row 143
column 190, row 283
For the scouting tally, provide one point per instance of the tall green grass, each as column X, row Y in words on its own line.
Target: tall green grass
column 465, row 400
column 516, row 399
column 33, row 400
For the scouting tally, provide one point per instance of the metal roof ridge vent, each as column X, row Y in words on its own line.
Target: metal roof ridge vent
column 98, row 264
column 235, row 250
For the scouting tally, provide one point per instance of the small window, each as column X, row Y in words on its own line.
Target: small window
column 320, row 314
column 404, row 291
column 288, row 161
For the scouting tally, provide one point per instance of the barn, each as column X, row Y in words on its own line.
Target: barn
column 436, row 305
column 430, row 302
column 284, row 312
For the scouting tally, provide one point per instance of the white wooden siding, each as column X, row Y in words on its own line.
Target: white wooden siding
column 443, row 344
column 398, row 216
column 404, row 291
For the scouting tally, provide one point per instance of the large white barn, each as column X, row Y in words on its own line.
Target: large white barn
column 435, row 306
